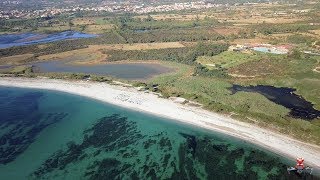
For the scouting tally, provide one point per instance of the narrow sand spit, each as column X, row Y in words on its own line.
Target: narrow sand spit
column 141, row 101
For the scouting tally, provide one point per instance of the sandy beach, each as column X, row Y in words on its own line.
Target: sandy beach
column 130, row 97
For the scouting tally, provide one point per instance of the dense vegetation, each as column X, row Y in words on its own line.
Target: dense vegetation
column 204, row 71
column 187, row 55
column 52, row 48
column 268, row 29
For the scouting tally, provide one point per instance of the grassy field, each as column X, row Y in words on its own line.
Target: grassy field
column 14, row 60
column 212, row 92
column 229, row 59
column 92, row 25
column 177, row 17
column 56, row 28
column 215, row 95
column 95, row 54
column 91, row 55
column 257, row 39
column 139, row 46
column 282, row 71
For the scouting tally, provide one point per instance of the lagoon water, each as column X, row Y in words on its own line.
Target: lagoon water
column 300, row 108
column 129, row 71
column 53, row 135
column 10, row 40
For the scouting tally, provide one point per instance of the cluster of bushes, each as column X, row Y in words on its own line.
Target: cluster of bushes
column 243, row 34
column 300, row 39
column 78, row 76
column 51, row 48
column 147, row 30
column 268, row 29
column 16, row 25
column 204, row 71
column 18, row 70
column 108, row 37
column 186, row 55
column 167, row 35
column 170, row 54
column 100, row 78
column 127, row 22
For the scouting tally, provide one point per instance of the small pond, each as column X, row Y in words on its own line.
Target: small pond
column 5, row 67
column 269, row 50
column 300, row 108
column 129, row 71
column 142, row 30
column 10, row 40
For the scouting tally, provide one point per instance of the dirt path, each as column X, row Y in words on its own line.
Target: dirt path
column 317, row 69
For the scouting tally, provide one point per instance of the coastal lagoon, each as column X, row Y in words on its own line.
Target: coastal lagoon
column 300, row 108
column 10, row 40
column 53, row 135
column 129, row 71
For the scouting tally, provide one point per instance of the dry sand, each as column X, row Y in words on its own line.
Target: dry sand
column 130, row 97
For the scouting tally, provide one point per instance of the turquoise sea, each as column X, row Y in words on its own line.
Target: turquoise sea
column 53, row 135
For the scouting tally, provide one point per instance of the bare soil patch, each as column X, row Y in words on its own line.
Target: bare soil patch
column 139, row 46
column 84, row 21
column 263, row 67
column 98, row 29
column 177, row 17
column 14, row 60
column 227, row 30
column 317, row 31
column 260, row 19
column 94, row 53
column 81, row 56
column 258, row 40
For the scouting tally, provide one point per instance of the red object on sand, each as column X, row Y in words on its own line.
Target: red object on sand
column 300, row 164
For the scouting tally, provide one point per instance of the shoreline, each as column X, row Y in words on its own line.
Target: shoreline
column 131, row 98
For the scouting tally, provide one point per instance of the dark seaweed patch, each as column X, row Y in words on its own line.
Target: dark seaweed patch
column 107, row 169
column 22, row 121
column 110, row 133
column 220, row 162
column 191, row 141
column 147, row 144
column 117, row 134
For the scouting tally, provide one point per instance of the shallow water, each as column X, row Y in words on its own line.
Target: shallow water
column 52, row 135
column 5, row 67
column 129, row 71
column 269, row 50
column 10, row 40
column 300, row 108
